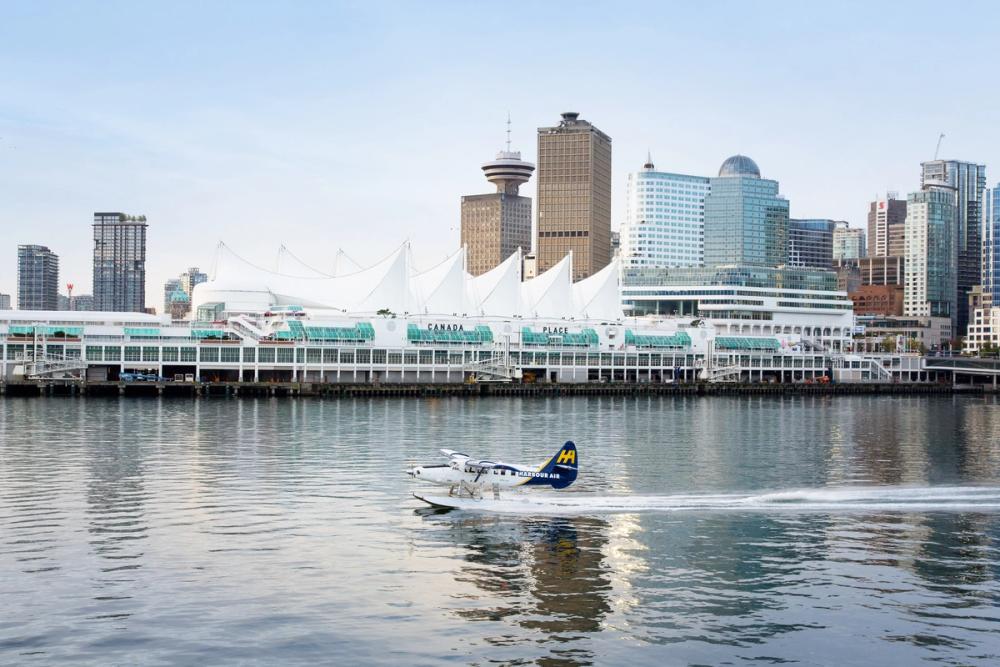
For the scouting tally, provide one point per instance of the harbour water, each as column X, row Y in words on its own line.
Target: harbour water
column 277, row 531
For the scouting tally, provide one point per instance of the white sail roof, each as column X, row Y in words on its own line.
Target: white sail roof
column 445, row 289
column 550, row 294
column 598, row 297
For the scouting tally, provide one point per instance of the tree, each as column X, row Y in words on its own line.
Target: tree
column 889, row 344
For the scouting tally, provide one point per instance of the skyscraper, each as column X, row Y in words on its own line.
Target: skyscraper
column 4, row 301
column 848, row 242
column 991, row 245
column 886, row 222
column 746, row 220
column 929, row 288
column 810, row 243
column 968, row 181
column 37, row 278
column 495, row 225
column 119, row 262
column 574, row 196
column 664, row 219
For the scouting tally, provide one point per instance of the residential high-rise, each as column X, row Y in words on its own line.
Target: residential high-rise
column 848, row 242
column 746, row 220
column 193, row 276
column 886, row 222
column 37, row 278
column 119, row 262
column 574, row 196
column 495, row 225
column 664, row 219
column 991, row 245
column 968, row 181
column 810, row 243
column 929, row 288
column 4, row 301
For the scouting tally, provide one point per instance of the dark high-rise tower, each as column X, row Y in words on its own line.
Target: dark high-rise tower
column 37, row 278
column 574, row 196
column 119, row 262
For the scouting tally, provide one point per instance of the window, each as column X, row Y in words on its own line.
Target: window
column 188, row 354
column 170, row 354
column 285, row 355
column 150, row 354
column 94, row 354
column 249, row 355
column 132, row 353
column 266, row 355
column 229, row 355
column 209, row 355
column 112, row 353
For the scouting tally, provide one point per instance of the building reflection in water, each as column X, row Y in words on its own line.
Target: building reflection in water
column 117, row 523
column 549, row 576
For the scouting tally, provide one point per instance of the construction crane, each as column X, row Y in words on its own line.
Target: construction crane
column 938, row 149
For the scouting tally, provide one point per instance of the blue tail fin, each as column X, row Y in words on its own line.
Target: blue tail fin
column 562, row 467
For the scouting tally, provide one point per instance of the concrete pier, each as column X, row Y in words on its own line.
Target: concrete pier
column 233, row 390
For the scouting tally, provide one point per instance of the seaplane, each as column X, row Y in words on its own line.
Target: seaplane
column 467, row 478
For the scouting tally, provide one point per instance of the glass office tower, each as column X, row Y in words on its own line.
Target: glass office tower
column 810, row 243
column 37, row 278
column 746, row 220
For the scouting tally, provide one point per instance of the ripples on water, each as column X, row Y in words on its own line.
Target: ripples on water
column 282, row 532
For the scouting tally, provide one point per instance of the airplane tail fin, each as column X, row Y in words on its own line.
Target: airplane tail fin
column 564, row 465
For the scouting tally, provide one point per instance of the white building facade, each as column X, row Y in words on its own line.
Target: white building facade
column 664, row 219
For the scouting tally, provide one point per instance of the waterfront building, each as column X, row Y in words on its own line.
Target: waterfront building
column 37, row 278
column 929, row 289
column 664, row 219
column 574, row 196
column 746, row 300
column 907, row 333
column 984, row 331
column 119, row 262
column 848, row 242
column 495, row 225
column 967, row 182
column 810, row 243
column 388, row 324
column 81, row 302
column 746, row 220
column 4, row 301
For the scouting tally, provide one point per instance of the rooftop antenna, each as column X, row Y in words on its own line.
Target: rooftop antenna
column 508, row 131
column 938, row 149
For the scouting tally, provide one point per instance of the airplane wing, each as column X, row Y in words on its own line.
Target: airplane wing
column 452, row 454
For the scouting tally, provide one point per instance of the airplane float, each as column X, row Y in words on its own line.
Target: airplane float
column 466, row 478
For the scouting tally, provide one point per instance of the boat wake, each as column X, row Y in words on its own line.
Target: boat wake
column 828, row 500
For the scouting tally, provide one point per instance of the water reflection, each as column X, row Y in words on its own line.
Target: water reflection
column 546, row 576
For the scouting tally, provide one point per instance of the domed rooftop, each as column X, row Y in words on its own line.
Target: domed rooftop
column 739, row 165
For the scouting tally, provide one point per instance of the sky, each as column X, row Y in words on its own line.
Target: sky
column 359, row 125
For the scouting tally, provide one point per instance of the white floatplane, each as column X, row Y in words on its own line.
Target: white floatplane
column 466, row 478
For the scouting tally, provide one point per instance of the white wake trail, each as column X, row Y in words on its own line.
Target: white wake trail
column 819, row 500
